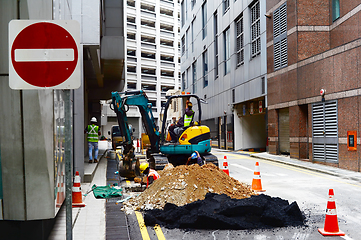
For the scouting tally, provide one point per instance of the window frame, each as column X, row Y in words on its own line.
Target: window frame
column 239, row 41
column 255, row 29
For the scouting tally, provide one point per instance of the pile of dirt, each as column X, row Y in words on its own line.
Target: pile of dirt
column 221, row 212
column 186, row 184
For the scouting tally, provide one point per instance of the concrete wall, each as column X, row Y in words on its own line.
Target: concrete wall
column 26, row 136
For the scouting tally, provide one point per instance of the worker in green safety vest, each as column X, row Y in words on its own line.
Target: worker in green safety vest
column 93, row 132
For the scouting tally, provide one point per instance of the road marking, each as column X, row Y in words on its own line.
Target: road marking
column 159, row 232
column 142, row 227
column 248, row 169
column 346, row 237
column 297, row 169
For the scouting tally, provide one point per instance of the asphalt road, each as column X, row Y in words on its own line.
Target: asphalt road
column 308, row 188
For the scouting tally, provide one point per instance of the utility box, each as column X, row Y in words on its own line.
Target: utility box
column 351, row 140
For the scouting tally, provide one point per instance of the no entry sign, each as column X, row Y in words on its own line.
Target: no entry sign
column 44, row 54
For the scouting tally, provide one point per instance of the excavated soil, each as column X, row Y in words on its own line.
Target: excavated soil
column 183, row 184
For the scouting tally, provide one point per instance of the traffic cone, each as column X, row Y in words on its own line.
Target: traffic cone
column 256, row 182
column 331, row 222
column 60, row 193
column 76, row 193
column 225, row 165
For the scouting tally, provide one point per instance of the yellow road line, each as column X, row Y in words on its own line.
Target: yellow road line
column 159, row 232
column 142, row 227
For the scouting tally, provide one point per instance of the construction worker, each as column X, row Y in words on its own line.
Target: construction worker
column 93, row 132
column 151, row 174
column 182, row 123
column 195, row 158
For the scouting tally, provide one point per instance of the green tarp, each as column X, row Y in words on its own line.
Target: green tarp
column 106, row 191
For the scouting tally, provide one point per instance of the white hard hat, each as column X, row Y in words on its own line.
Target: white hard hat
column 93, row 119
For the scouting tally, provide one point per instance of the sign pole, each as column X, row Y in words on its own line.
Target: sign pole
column 68, row 174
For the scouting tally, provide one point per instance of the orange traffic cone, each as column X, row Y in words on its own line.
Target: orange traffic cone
column 225, row 165
column 60, row 191
column 76, row 193
column 256, row 182
column 331, row 223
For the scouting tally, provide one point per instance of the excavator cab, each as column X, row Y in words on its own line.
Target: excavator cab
column 195, row 137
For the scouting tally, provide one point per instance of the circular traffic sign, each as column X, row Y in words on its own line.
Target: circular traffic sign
column 44, row 54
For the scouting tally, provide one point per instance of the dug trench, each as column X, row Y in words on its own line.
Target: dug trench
column 194, row 197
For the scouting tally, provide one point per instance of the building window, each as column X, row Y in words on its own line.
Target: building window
column 147, row 39
column 215, row 22
column 166, row 27
column 148, row 55
column 227, row 51
column 183, row 80
column 225, row 6
column 204, row 20
column 183, row 12
column 205, row 68
column 187, row 42
column 130, row 19
column 193, row 2
column 168, row 43
column 132, row 69
column 187, row 76
column 149, row 71
column 280, row 37
column 147, row 7
column 335, row 9
column 166, row 58
column 192, row 33
column 131, row 52
column 130, row 3
column 167, row 73
column 239, row 41
column 147, row 23
column 166, row 12
column 194, row 76
column 255, row 29
column 131, row 36
column 183, row 45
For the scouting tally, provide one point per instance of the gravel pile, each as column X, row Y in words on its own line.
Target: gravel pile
column 186, row 184
column 222, row 212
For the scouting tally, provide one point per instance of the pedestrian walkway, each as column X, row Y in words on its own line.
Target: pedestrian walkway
column 89, row 221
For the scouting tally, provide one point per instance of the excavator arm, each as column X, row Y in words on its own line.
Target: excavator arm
column 121, row 102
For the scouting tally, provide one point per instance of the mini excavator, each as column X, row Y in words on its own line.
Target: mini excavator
column 195, row 137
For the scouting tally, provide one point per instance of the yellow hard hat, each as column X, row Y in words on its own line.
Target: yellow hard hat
column 143, row 166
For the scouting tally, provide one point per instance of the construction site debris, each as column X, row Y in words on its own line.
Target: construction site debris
column 222, row 212
column 186, row 184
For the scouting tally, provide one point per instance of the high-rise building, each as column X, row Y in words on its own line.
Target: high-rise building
column 223, row 60
column 152, row 53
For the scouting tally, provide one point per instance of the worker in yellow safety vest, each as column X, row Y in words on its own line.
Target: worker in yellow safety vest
column 151, row 174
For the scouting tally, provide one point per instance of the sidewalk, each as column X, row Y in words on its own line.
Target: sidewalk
column 338, row 172
column 89, row 221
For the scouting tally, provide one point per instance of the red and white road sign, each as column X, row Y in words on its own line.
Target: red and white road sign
column 44, row 54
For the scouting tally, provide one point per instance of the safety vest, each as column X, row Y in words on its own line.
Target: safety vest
column 154, row 174
column 188, row 119
column 93, row 133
